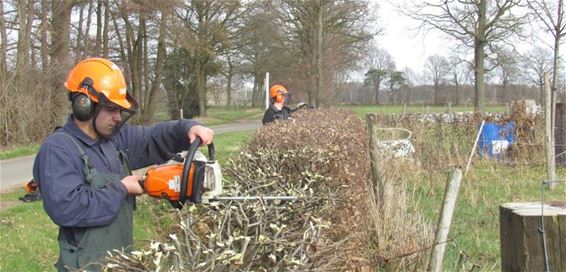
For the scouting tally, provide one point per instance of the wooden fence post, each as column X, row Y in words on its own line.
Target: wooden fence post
column 520, row 235
column 448, row 205
column 549, row 139
column 383, row 190
column 371, row 120
column 560, row 134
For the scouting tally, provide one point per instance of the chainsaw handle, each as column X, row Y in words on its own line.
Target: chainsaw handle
column 187, row 167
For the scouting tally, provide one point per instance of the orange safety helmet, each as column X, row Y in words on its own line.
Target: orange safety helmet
column 277, row 92
column 95, row 77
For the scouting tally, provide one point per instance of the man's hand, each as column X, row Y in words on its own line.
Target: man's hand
column 132, row 184
column 204, row 133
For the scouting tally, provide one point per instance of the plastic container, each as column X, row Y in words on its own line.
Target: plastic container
column 495, row 139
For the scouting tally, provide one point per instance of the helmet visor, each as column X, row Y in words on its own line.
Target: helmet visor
column 125, row 113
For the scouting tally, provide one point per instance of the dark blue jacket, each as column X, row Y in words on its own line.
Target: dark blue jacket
column 68, row 200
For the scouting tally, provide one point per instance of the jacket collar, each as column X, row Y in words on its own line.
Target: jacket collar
column 74, row 130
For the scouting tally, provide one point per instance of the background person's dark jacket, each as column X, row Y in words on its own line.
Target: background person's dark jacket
column 272, row 114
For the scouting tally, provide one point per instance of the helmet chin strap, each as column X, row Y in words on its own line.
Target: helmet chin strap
column 96, row 111
column 116, row 128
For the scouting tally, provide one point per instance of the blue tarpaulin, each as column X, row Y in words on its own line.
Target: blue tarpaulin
column 495, row 139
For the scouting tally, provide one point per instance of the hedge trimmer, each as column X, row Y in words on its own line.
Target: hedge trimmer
column 197, row 180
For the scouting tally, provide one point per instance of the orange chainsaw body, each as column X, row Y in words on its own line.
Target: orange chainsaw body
column 164, row 181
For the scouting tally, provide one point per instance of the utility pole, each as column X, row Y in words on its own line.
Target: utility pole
column 266, row 90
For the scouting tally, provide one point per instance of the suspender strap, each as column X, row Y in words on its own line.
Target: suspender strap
column 83, row 155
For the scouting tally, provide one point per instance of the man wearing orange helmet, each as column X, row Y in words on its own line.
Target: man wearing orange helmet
column 83, row 168
column 277, row 109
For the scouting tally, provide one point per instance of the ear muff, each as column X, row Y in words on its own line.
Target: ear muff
column 83, row 107
column 279, row 98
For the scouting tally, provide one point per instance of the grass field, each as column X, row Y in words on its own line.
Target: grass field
column 475, row 227
column 397, row 109
column 28, row 237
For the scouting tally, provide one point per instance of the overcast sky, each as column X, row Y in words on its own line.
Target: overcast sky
column 401, row 40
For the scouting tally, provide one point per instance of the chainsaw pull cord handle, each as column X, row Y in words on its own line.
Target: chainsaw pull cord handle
column 187, row 167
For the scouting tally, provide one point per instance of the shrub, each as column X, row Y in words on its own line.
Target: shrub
column 339, row 222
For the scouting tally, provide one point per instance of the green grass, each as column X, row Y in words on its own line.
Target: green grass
column 222, row 115
column 398, row 109
column 28, row 237
column 475, row 225
column 219, row 115
column 19, row 151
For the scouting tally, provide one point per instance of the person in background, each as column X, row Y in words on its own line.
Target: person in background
column 83, row 169
column 277, row 109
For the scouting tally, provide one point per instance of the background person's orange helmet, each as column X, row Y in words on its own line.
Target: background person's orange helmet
column 94, row 77
column 278, row 92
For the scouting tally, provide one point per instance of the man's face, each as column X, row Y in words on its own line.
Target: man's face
column 107, row 120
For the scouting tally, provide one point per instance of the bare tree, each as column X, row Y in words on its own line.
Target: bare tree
column 325, row 30
column 262, row 46
column 551, row 14
column 507, row 70
column 411, row 80
column 457, row 73
column 380, row 65
column 397, row 81
column 477, row 24
column 3, row 43
column 44, row 35
column 438, row 69
column 230, row 69
column 25, row 16
column 149, row 99
column 535, row 64
column 205, row 33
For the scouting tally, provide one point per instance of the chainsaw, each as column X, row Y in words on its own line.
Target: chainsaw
column 196, row 180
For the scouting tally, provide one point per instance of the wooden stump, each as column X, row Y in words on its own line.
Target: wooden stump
column 521, row 238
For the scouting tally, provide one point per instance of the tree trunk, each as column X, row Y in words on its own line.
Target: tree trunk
column 408, row 99
column 122, row 50
column 25, row 16
column 436, row 87
column 159, row 63
column 105, row 47
column 145, row 63
column 86, row 42
column 98, row 42
column 60, row 30
column 479, row 58
column 457, row 91
column 255, row 92
column 229, row 83
column 318, row 52
column 44, row 49
column 134, row 49
column 3, row 43
column 229, row 91
column 78, row 50
column 60, row 35
column 201, row 87
column 137, row 61
column 376, row 99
